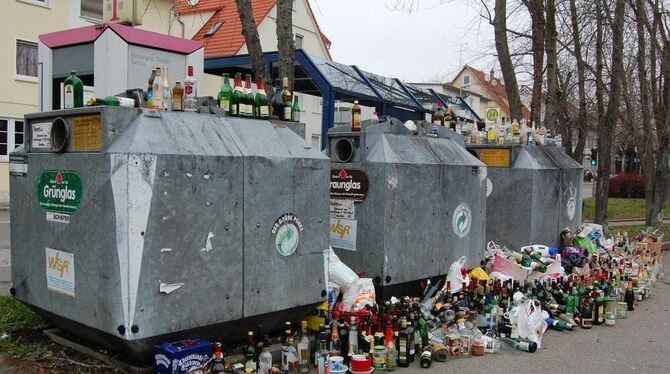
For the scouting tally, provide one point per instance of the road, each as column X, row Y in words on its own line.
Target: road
column 587, row 190
column 5, row 271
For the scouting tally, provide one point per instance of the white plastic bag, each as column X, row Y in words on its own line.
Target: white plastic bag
column 339, row 273
column 359, row 294
column 455, row 276
column 530, row 324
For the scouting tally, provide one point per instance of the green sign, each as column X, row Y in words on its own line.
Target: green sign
column 59, row 191
column 492, row 114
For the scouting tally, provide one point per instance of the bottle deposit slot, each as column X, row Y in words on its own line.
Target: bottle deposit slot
column 344, row 150
column 60, row 134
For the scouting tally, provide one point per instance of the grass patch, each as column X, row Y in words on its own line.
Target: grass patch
column 619, row 209
column 15, row 316
column 635, row 229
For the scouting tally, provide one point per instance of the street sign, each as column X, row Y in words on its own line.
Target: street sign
column 492, row 114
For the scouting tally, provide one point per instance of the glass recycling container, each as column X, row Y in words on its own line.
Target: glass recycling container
column 131, row 227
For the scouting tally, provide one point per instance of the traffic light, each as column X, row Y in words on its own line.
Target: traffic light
column 594, row 157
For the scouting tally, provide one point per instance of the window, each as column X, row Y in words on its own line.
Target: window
column 298, row 41
column 44, row 3
column 91, row 9
column 466, row 80
column 212, row 30
column 11, row 136
column 26, row 58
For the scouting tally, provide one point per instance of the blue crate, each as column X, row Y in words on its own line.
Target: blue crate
column 185, row 356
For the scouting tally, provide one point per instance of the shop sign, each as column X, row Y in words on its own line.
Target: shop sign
column 286, row 232
column 59, row 191
column 349, row 184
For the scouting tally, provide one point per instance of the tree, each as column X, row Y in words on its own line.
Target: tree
column 536, row 11
column 285, row 43
column 250, row 33
column 578, row 154
column 505, row 59
column 608, row 121
column 553, row 100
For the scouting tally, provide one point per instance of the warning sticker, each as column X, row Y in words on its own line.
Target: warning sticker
column 60, row 271
column 87, row 133
column 18, row 165
column 40, row 135
column 343, row 209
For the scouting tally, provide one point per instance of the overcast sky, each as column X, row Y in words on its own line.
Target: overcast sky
column 433, row 41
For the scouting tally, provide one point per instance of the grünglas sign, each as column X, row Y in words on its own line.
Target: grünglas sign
column 59, row 191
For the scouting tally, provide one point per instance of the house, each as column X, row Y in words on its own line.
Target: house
column 475, row 81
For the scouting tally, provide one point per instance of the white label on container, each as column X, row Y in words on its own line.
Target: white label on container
column 343, row 233
column 41, row 135
column 60, row 271
column 17, row 168
column 58, row 217
column 265, row 111
column 342, row 209
column 68, row 96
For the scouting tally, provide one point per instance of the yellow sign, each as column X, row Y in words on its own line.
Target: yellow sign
column 497, row 158
column 492, row 114
column 87, row 133
column 123, row 11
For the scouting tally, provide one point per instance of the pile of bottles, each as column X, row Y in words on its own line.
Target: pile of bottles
column 445, row 325
column 240, row 100
column 499, row 132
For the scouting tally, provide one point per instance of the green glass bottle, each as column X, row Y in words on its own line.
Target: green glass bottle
column 261, row 101
column 237, row 102
column 225, row 94
column 248, row 98
column 73, row 91
column 295, row 110
column 570, row 304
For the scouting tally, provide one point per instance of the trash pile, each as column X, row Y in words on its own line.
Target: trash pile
column 504, row 305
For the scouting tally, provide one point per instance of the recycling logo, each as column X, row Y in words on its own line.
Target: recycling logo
column 461, row 220
column 286, row 231
column 571, row 207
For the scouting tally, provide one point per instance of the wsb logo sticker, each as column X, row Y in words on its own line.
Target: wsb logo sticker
column 60, row 271
column 58, row 264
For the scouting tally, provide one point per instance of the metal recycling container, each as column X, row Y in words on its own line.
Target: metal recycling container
column 404, row 205
column 533, row 193
column 133, row 227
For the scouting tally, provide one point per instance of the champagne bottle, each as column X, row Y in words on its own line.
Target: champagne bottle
column 248, row 98
column 261, row 101
column 286, row 98
column 237, row 102
column 295, row 110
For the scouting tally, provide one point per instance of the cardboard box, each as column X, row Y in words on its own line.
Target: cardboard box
column 186, row 356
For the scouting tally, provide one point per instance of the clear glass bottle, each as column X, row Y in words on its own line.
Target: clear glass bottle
column 167, row 92
column 304, row 349
column 190, row 91
column 157, row 89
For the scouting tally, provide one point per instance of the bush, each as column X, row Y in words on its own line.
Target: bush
column 627, row 185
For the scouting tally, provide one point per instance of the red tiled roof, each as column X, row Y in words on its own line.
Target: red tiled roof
column 496, row 90
column 229, row 39
column 131, row 35
column 183, row 6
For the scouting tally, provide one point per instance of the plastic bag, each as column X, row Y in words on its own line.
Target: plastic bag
column 339, row 273
column 455, row 275
column 585, row 243
column 359, row 294
column 478, row 274
column 530, row 324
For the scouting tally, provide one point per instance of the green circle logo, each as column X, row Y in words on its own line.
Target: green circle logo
column 492, row 114
column 286, row 231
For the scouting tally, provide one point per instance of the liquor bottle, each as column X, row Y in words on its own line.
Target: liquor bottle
column 353, row 338
column 261, row 101
column 586, row 313
column 344, row 337
column 250, row 363
column 248, row 98
column 322, row 355
column 218, row 364
column 112, row 101
column 150, row 89
column 570, row 304
column 237, row 103
column 178, row 97
column 438, row 116
column 426, row 357
column 319, row 345
column 167, row 92
column 190, row 91
column 293, row 357
column 599, row 308
column 335, row 345
column 295, row 110
column 265, row 358
column 356, row 117
column 286, row 100
column 157, row 90
column 629, row 297
column 391, row 352
column 303, row 348
column 286, row 342
column 225, row 93
column 521, row 344
column 403, row 344
column 73, row 91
